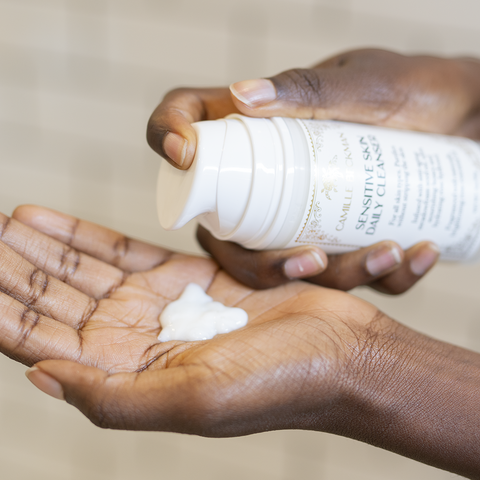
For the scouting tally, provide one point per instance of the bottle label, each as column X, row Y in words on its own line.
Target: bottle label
column 371, row 183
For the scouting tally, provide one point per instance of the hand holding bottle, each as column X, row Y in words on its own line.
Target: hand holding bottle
column 370, row 86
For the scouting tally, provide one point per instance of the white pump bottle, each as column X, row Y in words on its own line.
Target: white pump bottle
column 281, row 182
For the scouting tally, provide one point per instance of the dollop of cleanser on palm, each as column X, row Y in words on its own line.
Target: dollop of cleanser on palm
column 270, row 183
column 196, row 316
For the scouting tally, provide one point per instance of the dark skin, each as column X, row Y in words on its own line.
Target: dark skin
column 81, row 302
column 368, row 86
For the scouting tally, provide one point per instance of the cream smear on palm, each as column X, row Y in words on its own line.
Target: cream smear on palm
column 196, row 316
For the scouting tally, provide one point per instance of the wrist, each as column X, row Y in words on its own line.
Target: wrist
column 413, row 395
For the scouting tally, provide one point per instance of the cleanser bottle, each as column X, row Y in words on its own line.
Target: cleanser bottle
column 281, row 182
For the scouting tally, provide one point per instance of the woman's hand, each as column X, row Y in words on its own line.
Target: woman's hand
column 89, row 299
column 369, row 86
column 82, row 303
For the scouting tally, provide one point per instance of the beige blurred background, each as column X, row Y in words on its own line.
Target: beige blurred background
column 78, row 81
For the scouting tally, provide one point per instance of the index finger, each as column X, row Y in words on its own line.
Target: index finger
column 169, row 130
column 101, row 243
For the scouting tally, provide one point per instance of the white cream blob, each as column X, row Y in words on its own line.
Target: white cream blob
column 195, row 316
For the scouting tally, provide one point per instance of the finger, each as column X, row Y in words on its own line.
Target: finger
column 169, row 130
column 341, row 86
column 29, row 337
column 263, row 269
column 349, row 270
column 40, row 292
column 366, row 86
column 384, row 266
column 99, row 242
column 161, row 400
column 418, row 260
column 89, row 275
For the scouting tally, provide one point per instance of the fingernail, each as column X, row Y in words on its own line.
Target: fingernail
column 424, row 260
column 382, row 260
column 304, row 265
column 45, row 383
column 254, row 93
column 175, row 147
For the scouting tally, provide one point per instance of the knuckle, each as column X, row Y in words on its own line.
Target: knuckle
column 339, row 274
column 97, row 416
column 72, row 235
column 120, row 249
column 155, row 134
column 259, row 272
column 4, row 225
column 87, row 315
column 249, row 267
column 174, row 107
column 304, row 84
column 37, row 286
column 29, row 320
column 101, row 411
column 69, row 262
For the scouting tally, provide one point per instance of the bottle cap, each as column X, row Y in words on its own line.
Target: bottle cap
column 216, row 186
column 235, row 183
column 184, row 194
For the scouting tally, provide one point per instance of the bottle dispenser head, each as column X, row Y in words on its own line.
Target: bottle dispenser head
column 234, row 184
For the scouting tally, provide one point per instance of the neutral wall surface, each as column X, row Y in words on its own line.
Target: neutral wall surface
column 78, row 81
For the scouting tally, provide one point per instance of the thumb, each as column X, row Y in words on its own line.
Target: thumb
column 129, row 401
column 364, row 86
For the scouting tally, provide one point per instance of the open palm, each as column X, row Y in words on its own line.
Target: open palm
column 81, row 293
